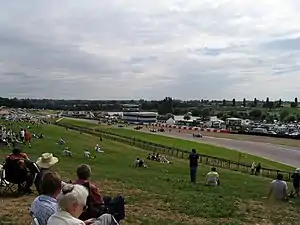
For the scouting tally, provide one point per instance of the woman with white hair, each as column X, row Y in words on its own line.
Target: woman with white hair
column 72, row 203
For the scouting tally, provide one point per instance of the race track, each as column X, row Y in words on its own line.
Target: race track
column 283, row 154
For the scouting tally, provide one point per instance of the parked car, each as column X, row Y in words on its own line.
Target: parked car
column 152, row 130
column 198, row 135
column 161, row 130
column 120, row 125
column 138, row 127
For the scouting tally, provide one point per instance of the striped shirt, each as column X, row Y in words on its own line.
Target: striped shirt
column 43, row 207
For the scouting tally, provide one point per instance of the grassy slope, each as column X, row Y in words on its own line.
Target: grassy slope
column 161, row 193
column 187, row 145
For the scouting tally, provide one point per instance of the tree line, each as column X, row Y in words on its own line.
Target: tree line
column 199, row 108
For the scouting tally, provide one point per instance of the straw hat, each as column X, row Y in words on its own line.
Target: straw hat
column 46, row 160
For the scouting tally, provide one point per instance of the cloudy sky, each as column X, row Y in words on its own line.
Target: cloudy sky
column 117, row 49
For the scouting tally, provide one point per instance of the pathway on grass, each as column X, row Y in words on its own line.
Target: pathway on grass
column 283, row 154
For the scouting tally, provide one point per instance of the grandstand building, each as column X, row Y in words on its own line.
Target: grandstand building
column 132, row 114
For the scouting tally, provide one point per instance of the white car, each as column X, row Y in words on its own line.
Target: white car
column 198, row 135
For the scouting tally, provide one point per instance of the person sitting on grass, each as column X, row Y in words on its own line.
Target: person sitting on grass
column 67, row 152
column 98, row 149
column 88, row 155
column 46, row 205
column 212, row 178
column 61, row 141
column 139, row 163
column 45, row 163
column 257, row 169
column 72, row 203
column 278, row 189
column 84, row 173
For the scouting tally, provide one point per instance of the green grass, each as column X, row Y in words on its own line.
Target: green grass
column 205, row 149
column 160, row 194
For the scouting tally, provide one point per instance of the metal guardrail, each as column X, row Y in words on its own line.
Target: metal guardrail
column 177, row 152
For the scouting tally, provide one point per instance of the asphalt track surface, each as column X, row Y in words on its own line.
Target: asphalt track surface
column 283, row 154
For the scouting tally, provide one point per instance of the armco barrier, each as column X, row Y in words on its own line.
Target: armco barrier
column 154, row 147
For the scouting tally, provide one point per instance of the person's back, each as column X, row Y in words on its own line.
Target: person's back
column 212, row 178
column 45, row 205
column 279, row 188
column 193, row 157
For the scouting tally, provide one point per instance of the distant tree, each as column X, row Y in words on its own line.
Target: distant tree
column 290, row 118
column 196, row 112
column 279, row 103
column 205, row 113
column 233, row 102
column 284, row 114
column 166, row 106
column 255, row 114
column 224, row 102
column 267, row 100
column 244, row 102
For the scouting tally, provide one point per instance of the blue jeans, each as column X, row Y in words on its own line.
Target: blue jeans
column 193, row 173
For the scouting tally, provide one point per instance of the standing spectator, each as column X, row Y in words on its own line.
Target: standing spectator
column 193, row 157
column 253, row 168
column 22, row 135
column 279, row 189
column 257, row 169
column 27, row 138
column 296, row 181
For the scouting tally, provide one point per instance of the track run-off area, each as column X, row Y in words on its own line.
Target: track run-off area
column 279, row 153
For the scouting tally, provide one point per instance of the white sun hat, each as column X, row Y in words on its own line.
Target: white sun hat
column 46, row 160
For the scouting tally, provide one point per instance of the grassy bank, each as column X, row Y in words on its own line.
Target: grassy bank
column 187, row 145
column 160, row 194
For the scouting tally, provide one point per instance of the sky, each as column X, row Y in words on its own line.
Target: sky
column 146, row 49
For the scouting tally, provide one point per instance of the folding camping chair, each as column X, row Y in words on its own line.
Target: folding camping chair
column 9, row 182
column 34, row 219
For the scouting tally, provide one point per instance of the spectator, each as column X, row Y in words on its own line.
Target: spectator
column 193, row 157
column 22, row 135
column 45, row 205
column 95, row 199
column 257, row 169
column 253, row 168
column 212, row 178
column 26, row 165
column 296, row 181
column 67, row 152
column 278, row 189
column 72, row 203
column 45, row 163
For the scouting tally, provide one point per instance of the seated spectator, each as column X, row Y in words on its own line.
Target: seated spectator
column 153, row 157
column 88, row 155
column 139, row 163
column 212, row 178
column 279, row 189
column 45, row 163
column 95, row 199
column 72, row 203
column 26, row 165
column 149, row 156
column 46, row 205
column 98, row 149
column 61, row 141
column 67, row 152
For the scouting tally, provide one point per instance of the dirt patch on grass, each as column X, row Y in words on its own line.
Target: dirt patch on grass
column 269, row 212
